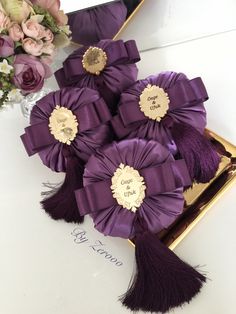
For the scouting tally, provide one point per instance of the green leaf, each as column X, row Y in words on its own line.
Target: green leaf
column 48, row 20
column 4, row 32
column 17, row 44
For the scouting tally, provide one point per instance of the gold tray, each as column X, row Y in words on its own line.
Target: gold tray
column 200, row 197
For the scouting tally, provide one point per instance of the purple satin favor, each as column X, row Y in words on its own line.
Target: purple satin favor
column 164, row 178
column 186, row 105
column 93, row 24
column 67, row 126
column 93, row 131
column 180, row 129
column 145, row 174
column 118, row 74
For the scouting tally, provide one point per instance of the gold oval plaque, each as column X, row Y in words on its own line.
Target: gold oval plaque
column 94, row 60
column 154, row 102
column 128, row 187
column 63, row 125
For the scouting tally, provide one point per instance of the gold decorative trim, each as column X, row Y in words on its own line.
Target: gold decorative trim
column 94, row 60
column 129, row 19
column 128, row 187
column 199, row 204
column 154, row 102
column 63, row 125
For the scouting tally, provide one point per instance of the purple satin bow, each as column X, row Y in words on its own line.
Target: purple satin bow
column 118, row 53
column 119, row 73
column 164, row 178
column 92, row 114
column 160, row 179
column 185, row 95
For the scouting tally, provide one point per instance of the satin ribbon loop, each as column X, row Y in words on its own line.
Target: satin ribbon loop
column 182, row 176
column 73, row 66
column 72, row 69
column 89, row 116
column 129, row 117
column 37, row 137
column 94, row 197
column 119, row 52
column 63, row 80
column 186, row 92
column 132, row 51
column 92, row 115
column 130, row 113
column 118, row 127
column 167, row 177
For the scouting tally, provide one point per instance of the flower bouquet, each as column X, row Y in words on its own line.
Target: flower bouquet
column 30, row 33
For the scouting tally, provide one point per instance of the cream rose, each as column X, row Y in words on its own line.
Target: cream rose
column 33, row 29
column 48, row 48
column 32, row 46
column 15, row 32
column 48, row 35
column 4, row 20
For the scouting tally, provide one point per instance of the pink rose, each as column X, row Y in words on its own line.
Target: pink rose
column 48, row 35
column 48, row 48
column 29, row 73
column 32, row 46
column 53, row 7
column 4, row 20
column 15, row 32
column 33, row 29
column 6, row 46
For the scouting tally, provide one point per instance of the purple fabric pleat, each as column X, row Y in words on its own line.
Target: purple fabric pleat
column 120, row 71
column 164, row 177
column 93, row 24
column 186, row 106
column 93, row 116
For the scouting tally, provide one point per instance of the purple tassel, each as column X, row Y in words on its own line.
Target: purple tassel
column 163, row 280
column 219, row 147
column 62, row 203
column 199, row 154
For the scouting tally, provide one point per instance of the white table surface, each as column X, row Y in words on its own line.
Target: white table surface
column 75, row 5
column 162, row 23
column 44, row 271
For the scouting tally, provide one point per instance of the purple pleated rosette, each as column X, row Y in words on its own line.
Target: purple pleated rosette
column 92, row 114
column 93, row 24
column 66, row 127
column 134, row 189
column 109, row 67
column 164, row 177
column 169, row 108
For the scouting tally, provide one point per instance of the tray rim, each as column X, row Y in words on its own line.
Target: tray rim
column 206, row 207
